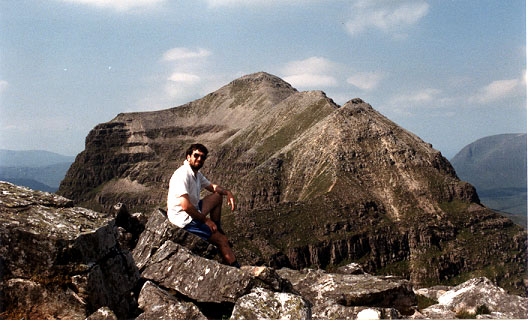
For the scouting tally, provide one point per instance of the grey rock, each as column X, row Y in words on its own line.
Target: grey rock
column 175, row 267
column 130, row 226
column 103, row 313
column 351, row 268
column 268, row 278
column 333, row 293
column 478, row 293
column 30, row 299
column 335, row 311
column 433, row 292
column 264, row 304
column 159, row 304
column 59, row 260
column 158, row 230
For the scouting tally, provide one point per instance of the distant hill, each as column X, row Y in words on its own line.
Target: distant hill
column 497, row 167
column 31, row 158
column 36, row 169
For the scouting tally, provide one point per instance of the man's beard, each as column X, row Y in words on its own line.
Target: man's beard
column 196, row 167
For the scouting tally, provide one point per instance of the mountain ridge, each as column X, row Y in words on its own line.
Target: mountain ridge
column 317, row 184
column 37, row 169
column 31, row 158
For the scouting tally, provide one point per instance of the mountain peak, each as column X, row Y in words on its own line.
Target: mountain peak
column 261, row 80
column 262, row 77
column 316, row 184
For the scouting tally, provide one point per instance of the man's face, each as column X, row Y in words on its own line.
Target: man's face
column 196, row 160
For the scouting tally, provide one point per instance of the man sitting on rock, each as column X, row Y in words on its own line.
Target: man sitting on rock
column 186, row 210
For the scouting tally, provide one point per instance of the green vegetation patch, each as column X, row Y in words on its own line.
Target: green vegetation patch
column 295, row 126
column 399, row 268
column 423, row 302
column 319, row 185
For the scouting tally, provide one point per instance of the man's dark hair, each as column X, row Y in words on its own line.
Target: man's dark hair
column 196, row 146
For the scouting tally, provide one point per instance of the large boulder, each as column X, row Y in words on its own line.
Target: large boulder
column 475, row 297
column 159, row 304
column 158, row 230
column 203, row 280
column 264, row 304
column 214, row 288
column 60, row 261
column 345, row 295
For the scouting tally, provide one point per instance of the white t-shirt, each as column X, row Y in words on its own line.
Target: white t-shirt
column 184, row 181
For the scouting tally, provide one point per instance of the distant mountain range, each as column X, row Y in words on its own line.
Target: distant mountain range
column 497, row 167
column 36, row 169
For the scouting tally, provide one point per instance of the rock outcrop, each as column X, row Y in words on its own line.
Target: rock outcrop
column 64, row 262
column 476, row 297
column 159, row 304
column 334, row 296
column 317, row 184
column 58, row 260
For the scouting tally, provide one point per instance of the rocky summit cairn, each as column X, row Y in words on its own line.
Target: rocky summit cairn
column 317, row 184
column 59, row 261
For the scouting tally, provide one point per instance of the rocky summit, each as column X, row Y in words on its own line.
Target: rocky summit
column 317, row 184
column 60, row 261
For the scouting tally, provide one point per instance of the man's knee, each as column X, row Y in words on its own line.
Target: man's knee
column 218, row 198
column 215, row 199
column 219, row 239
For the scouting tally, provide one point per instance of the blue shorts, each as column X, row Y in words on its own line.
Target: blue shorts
column 198, row 227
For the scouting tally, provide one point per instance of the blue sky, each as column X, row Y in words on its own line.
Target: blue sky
column 449, row 71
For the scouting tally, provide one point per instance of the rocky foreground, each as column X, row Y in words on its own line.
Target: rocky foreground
column 64, row 262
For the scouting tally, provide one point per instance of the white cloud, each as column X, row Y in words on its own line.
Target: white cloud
column 120, row 5
column 366, row 80
column 184, row 77
column 387, row 16
column 423, row 96
column 188, row 75
column 310, row 65
column 497, row 90
column 307, row 80
column 312, row 72
column 3, row 86
column 262, row 3
column 185, row 53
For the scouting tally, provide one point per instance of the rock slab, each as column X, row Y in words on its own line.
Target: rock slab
column 343, row 296
column 478, row 297
column 59, row 261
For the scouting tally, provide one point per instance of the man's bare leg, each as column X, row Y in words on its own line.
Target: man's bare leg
column 212, row 204
column 221, row 241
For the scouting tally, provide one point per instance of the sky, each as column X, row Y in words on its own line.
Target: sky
column 450, row 72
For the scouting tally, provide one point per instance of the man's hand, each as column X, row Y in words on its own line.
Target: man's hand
column 211, row 224
column 230, row 200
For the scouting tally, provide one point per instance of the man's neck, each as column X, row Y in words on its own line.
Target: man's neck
column 194, row 170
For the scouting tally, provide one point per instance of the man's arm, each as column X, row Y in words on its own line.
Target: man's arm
column 195, row 214
column 230, row 198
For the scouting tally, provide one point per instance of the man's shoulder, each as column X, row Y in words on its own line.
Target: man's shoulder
column 182, row 172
